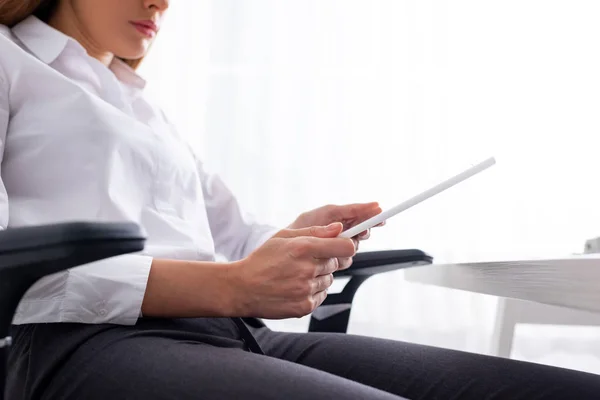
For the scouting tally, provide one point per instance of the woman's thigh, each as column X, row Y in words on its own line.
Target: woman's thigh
column 423, row 372
column 162, row 359
column 162, row 368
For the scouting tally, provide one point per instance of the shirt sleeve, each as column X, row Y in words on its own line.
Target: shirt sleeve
column 235, row 233
column 107, row 291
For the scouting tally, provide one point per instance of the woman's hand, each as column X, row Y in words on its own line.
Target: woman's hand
column 349, row 215
column 289, row 275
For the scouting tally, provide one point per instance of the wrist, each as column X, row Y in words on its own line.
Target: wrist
column 192, row 289
column 235, row 303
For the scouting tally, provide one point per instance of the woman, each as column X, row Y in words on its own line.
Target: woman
column 80, row 141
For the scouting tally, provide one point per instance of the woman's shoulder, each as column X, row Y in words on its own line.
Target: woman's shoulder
column 7, row 38
column 11, row 51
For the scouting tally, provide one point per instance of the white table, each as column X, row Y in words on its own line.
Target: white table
column 572, row 282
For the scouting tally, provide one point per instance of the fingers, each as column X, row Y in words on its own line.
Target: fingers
column 322, row 283
column 369, row 212
column 364, row 235
column 319, row 298
column 363, row 211
column 367, row 234
column 344, row 263
column 327, row 266
column 329, row 231
column 331, row 265
column 323, row 248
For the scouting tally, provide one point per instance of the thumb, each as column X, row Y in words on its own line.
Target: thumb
column 329, row 231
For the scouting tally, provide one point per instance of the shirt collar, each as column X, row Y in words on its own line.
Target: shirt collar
column 47, row 44
column 126, row 74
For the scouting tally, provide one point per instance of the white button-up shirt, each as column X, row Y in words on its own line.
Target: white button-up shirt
column 80, row 142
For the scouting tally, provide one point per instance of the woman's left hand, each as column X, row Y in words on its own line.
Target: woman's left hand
column 349, row 215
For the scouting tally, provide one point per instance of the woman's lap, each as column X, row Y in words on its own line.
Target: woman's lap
column 155, row 368
column 207, row 360
column 161, row 360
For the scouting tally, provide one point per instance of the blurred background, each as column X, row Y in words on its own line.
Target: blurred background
column 300, row 103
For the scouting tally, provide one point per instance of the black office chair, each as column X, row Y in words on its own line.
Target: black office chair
column 27, row 254
column 333, row 315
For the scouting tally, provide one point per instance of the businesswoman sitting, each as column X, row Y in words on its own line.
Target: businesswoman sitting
column 80, row 141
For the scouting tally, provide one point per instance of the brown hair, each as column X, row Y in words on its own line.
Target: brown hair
column 14, row 11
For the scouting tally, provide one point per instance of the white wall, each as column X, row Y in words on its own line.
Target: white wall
column 299, row 103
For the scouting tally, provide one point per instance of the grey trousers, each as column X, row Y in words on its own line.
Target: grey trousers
column 208, row 358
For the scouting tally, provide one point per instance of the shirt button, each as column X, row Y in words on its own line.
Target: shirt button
column 102, row 312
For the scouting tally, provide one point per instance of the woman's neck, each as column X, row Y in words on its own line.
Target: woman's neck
column 65, row 20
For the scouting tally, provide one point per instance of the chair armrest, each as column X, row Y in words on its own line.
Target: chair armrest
column 375, row 262
column 29, row 253
column 37, row 251
column 333, row 315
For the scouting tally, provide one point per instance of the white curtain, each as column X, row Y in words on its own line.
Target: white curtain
column 299, row 103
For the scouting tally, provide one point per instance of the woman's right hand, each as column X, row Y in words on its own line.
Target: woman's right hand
column 289, row 275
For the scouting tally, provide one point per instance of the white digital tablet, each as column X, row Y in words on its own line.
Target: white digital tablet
column 447, row 184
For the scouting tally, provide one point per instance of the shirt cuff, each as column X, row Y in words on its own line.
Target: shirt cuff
column 106, row 291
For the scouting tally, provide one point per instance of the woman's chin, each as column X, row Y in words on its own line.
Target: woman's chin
column 134, row 51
